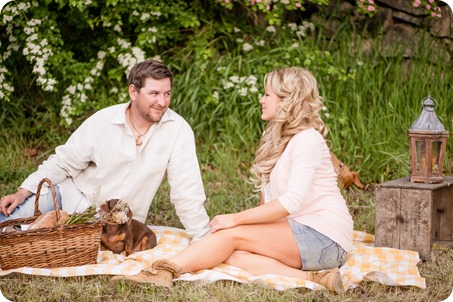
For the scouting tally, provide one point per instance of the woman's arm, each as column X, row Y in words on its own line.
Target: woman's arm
column 267, row 212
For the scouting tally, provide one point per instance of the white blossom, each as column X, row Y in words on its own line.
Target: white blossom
column 99, row 65
column 123, row 43
column 39, row 70
column 101, row 54
column 292, row 26
column 228, row 85
column 7, row 19
column 243, row 91
column 251, row 80
column 71, row 89
column 247, row 47
column 270, row 29
column 6, row 54
column 234, row 79
column 144, row 16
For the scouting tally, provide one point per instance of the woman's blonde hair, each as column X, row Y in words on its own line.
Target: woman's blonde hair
column 299, row 109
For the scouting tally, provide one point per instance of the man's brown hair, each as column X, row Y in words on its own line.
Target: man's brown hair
column 148, row 69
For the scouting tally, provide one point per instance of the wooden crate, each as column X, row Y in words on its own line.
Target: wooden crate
column 413, row 216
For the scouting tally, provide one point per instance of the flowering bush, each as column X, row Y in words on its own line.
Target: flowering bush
column 366, row 7
column 272, row 9
column 65, row 46
column 73, row 55
column 430, row 7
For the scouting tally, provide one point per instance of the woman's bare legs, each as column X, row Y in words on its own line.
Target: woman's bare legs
column 257, row 248
column 273, row 242
column 260, row 265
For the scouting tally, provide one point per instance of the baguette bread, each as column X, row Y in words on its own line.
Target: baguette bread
column 49, row 220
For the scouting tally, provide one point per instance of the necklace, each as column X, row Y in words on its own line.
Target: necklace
column 138, row 140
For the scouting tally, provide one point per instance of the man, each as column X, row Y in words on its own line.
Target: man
column 124, row 150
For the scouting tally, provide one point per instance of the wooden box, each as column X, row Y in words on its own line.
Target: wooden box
column 413, row 216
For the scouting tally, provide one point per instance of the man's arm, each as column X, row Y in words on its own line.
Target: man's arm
column 187, row 192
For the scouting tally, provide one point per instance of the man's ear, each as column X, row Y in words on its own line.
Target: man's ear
column 132, row 91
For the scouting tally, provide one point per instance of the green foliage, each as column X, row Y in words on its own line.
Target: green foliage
column 273, row 11
column 63, row 59
column 81, row 51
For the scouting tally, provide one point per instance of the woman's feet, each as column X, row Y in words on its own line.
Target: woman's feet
column 331, row 279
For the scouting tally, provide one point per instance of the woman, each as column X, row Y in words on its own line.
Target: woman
column 302, row 226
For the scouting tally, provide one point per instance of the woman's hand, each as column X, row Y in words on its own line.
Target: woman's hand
column 221, row 222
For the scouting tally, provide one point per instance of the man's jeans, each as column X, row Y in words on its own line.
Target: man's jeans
column 27, row 209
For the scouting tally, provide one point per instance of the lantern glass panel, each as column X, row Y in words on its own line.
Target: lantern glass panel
column 436, row 149
column 420, row 155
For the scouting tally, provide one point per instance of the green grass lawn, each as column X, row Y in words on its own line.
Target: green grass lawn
column 228, row 191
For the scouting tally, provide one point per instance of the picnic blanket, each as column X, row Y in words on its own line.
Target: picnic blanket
column 385, row 265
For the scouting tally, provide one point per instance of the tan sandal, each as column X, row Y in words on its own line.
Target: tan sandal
column 331, row 279
column 161, row 273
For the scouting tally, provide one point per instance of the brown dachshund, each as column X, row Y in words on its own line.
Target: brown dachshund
column 132, row 236
column 346, row 178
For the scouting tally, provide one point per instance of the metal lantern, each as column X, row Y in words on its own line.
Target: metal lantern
column 428, row 140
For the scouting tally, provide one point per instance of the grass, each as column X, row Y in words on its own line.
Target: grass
column 227, row 191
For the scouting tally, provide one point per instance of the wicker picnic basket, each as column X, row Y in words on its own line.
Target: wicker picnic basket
column 59, row 246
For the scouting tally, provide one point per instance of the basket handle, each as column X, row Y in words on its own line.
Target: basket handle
column 54, row 196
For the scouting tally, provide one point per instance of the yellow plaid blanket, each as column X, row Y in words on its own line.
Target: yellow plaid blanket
column 385, row 265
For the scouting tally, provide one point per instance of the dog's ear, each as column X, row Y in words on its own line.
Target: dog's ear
column 112, row 203
column 356, row 180
column 104, row 207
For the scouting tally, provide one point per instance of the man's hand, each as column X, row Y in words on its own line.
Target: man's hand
column 10, row 202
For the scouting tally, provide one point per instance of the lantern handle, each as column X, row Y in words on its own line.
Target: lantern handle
column 426, row 107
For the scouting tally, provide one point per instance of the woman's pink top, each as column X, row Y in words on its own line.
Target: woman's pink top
column 305, row 183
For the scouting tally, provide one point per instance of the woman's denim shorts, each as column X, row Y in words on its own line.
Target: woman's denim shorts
column 317, row 251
